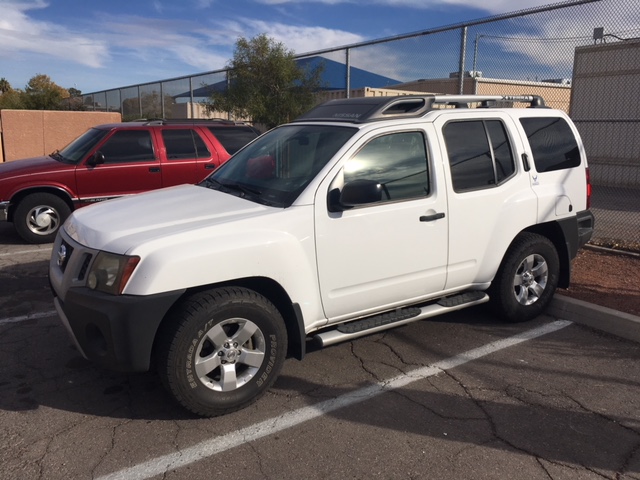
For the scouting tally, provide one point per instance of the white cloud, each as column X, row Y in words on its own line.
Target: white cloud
column 554, row 42
column 298, row 38
column 20, row 33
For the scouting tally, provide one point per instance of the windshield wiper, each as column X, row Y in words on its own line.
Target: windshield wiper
column 56, row 155
column 240, row 188
column 243, row 190
column 211, row 182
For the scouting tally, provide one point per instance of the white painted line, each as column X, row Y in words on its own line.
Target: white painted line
column 209, row 448
column 25, row 252
column 24, row 318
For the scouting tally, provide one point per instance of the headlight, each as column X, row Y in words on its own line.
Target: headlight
column 110, row 273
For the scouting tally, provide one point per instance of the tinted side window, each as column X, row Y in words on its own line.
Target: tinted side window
column 398, row 162
column 233, row 138
column 185, row 143
column 553, row 144
column 128, row 146
column 480, row 154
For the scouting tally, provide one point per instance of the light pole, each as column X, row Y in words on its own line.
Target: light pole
column 475, row 54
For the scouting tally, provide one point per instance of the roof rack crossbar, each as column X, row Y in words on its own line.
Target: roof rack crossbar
column 190, row 121
column 370, row 109
column 533, row 100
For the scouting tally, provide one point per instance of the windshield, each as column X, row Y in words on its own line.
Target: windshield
column 78, row 149
column 276, row 168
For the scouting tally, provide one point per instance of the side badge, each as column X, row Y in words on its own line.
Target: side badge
column 535, row 180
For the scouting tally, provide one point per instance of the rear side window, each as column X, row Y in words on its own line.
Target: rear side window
column 233, row 138
column 480, row 155
column 184, row 143
column 552, row 142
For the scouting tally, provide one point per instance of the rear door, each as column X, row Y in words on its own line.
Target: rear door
column 186, row 156
column 490, row 197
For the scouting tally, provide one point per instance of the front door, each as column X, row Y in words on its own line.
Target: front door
column 392, row 250
column 130, row 166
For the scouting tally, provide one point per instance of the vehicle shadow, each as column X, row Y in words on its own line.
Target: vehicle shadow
column 487, row 406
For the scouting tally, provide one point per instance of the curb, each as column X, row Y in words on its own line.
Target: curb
column 605, row 319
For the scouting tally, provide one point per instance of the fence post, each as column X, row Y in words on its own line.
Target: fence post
column 348, row 66
column 463, row 50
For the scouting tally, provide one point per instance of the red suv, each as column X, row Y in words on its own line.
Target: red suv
column 108, row 161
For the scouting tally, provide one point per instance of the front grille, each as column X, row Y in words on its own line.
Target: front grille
column 84, row 266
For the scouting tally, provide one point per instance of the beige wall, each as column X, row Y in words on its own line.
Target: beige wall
column 365, row 92
column 30, row 133
column 605, row 107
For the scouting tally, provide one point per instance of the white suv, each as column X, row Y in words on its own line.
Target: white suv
column 362, row 215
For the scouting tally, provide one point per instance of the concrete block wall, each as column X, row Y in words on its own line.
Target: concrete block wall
column 30, row 133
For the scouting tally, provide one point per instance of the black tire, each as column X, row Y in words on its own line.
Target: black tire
column 39, row 216
column 527, row 278
column 221, row 350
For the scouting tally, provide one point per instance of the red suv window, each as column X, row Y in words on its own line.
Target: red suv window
column 128, row 146
column 184, row 143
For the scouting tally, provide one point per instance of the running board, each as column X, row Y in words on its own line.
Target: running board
column 402, row 316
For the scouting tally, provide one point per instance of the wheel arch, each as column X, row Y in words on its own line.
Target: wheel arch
column 270, row 289
column 20, row 195
column 554, row 232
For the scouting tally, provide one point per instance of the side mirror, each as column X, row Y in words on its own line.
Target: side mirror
column 95, row 159
column 353, row 194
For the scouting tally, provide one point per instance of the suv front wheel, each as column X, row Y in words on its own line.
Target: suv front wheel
column 221, row 349
column 527, row 278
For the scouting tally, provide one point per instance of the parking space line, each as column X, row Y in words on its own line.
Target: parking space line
column 25, row 252
column 162, row 465
column 30, row 316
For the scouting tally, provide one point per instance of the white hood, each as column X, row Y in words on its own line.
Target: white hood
column 120, row 224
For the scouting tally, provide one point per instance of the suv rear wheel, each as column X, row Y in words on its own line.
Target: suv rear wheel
column 527, row 278
column 39, row 216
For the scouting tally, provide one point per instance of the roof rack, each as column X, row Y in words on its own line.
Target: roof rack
column 369, row 109
column 188, row 121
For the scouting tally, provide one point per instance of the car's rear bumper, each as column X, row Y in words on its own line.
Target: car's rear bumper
column 586, row 223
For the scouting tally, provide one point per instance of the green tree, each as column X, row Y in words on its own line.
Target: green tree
column 266, row 84
column 5, row 86
column 12, row 99
column 43, row 94
column 73, row 101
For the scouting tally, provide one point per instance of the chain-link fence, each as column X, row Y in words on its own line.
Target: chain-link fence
column 581, row 56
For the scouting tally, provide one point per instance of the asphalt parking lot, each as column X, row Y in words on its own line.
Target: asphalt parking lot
column 461, row 396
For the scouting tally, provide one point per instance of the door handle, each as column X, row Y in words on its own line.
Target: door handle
column 431, row 218
column 209, row 166
column 154, row 169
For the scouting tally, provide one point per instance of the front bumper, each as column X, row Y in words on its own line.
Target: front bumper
column 116, row 332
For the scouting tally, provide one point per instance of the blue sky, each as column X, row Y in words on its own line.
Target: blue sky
column 96, row 45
